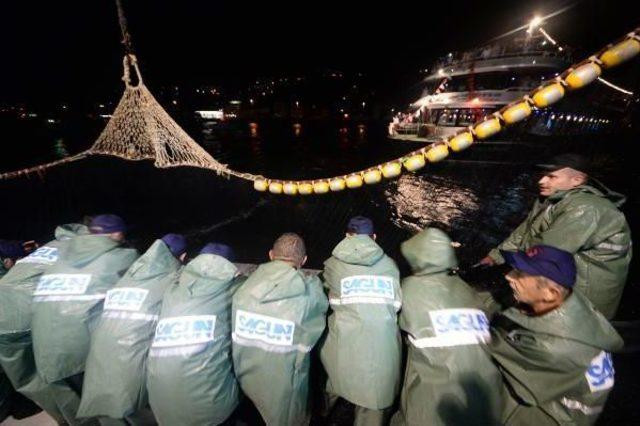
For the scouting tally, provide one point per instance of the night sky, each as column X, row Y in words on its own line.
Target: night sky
column 67, row 50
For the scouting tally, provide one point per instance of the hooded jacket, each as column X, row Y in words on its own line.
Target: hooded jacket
column 68, row 302
column 362, row 352
column 557, row 367
column 16, row 349
column 190, row 371
column 115, row 375
column 278, row 316
column 449, row 378
column 586, row 222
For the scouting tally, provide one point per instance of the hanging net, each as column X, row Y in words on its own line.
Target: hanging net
column 140, row 129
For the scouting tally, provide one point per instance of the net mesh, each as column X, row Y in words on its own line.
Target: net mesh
column 140, row 129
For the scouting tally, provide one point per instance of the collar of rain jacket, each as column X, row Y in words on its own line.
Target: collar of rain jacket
column 70, row 230
column 429, row 252
column 616, row 198
column 358, row 250
column 207, row 274
column 574, row 320
column 86, row 248
column 278, row 280
column 156, row 261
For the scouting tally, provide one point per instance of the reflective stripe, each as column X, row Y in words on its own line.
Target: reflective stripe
column 577, row 405
column 177, row 351
column 68, row 298
column 242, row 341
column 129, row 315
column 458, row 339
column 614, row 247
column 365, row 300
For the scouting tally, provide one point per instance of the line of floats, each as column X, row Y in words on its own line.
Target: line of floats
column 550, row 92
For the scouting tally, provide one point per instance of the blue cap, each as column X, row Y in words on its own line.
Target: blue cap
column 11, row 249
column 360, row 225
column 107, row 224
column 219, row 249
column 177, row 243
column 550, row 262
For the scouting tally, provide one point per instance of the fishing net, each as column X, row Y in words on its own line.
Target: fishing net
column 140, row 129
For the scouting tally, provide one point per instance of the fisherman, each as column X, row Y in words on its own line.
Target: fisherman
column 68, row 298
column 278, row 316
column 16, row 351
column 449, row 378
column 11, row 252
column 190, row 370
column 573, row 215
column 554, row 349
column 121, row 341
column 362, row 352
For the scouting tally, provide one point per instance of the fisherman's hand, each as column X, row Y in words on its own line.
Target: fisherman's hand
column 487, row 261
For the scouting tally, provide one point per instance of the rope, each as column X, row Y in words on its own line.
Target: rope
column 122, row 20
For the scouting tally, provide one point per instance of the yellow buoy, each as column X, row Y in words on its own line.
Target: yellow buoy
column 437, row 153
column 461, row 141
column 260, row 185
column 275, row 187
column 414, row 162
column 391, row 170
column 516, row 112
column 372, row 176
column 321, row 187
column 305, row 188
column 621, row 52
column 548, row 95
column 337, row 184
column 583, row 75
column 354, row 181
column 487, row 128
column 290, row 188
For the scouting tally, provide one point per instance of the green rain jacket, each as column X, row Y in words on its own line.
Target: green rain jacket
column 450, row 377
column 557, row 367
column 586, row 222
column 190, row 369
column 16, row 351
column 68, row 302
column 362, row 352
column 278, row 317
column 115, row 374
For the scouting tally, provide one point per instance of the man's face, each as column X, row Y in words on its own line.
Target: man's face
column 117, row 236
column 525, row 287
column 559, row 180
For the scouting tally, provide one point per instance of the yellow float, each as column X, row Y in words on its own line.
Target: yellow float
column 516, row 112
column 372, row 176
column 261, row 185
column 337, row 184
column 548, row 95
column 391, row 170
column 487, row 128
column 275, row 187
column 461, row 141
column 305, row 188
column 321, row 187
column 354, row 181
column 437, row 153
column 620, row 52
column 583, row 75
column 414, row 162
column 290, row 188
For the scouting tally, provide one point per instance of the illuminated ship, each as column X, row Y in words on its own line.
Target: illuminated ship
column 464, row 87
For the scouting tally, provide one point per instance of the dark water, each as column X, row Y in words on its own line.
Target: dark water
column 478, row 198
